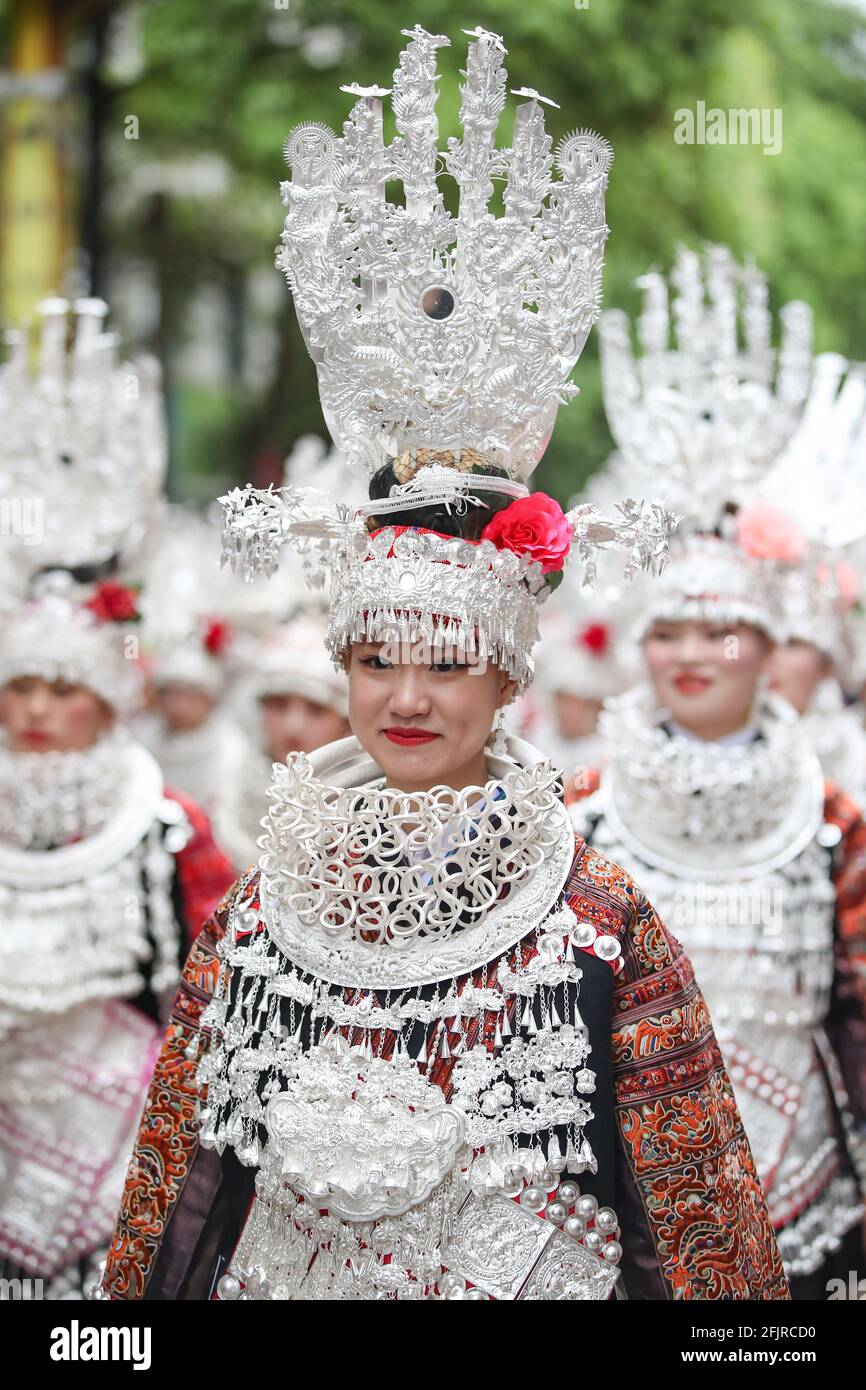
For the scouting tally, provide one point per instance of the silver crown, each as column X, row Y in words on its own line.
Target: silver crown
column 83, row 437
column 820, row 479
column 55, row 636
column 429, row 329
column 701, row 422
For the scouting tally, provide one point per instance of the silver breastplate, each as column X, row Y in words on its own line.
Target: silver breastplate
column 376, row 1182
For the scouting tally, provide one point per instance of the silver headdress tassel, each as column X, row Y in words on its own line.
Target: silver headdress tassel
column 443, row 345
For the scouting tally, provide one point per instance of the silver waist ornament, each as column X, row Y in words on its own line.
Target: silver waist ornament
column 730, row 846
column 372, row 1182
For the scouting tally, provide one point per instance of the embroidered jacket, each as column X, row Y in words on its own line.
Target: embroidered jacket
column 672, row 1155
column 90, row 1037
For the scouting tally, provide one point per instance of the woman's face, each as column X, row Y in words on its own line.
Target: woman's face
column 183, row 707
column 706, row 676
column 52, row 716
column 293, row 724
column 423, row 715
column 796, row 671
column 576, row 716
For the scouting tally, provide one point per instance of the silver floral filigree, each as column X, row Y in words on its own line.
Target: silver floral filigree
column 367, row 1139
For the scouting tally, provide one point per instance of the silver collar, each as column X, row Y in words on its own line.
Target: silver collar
column 50, row 799
column 692, row 806
column 109, row 827
column 372, row 887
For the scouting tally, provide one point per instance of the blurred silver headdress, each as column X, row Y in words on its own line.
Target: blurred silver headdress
column 83, row 437
column 820, row 478
column 819, row 482
column 74, row 633
column 699, row 417
column 82, row 462
column 700, row 420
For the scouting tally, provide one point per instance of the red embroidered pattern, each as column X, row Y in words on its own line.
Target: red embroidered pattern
column 167, row 1136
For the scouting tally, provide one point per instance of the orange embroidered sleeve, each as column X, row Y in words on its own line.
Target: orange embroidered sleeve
column 846, row 1023
column 688, row 1186
column 167, row 1138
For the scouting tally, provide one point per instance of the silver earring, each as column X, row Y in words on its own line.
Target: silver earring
column 496, row 740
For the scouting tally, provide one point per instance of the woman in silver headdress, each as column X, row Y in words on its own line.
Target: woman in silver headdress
column 105, row 875
column 433, row 1046
column 713, row 796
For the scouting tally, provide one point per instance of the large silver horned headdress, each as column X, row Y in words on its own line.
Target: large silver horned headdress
column 430, row 329
column 83, row 435
column 700, row 419
column 443, row 345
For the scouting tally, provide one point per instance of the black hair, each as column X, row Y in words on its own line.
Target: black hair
column 84, row 574
column 467, row 523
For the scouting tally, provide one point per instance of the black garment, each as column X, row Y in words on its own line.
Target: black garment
column 848, row 1260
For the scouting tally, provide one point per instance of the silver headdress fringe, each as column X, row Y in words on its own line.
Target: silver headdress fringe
column 710, row 579
column 417, row 586
column 54, row 636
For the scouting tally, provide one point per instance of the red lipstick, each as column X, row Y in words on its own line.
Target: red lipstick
column 691, row 685
column 35, row 736
column 409, row 737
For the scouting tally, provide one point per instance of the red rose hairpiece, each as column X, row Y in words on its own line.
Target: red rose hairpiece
column 113, row 603
column 534, row 526
column 217, row 636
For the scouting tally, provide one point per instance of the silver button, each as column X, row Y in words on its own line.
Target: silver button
column 583, row 934
column 828, row 835
column 607, row 947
